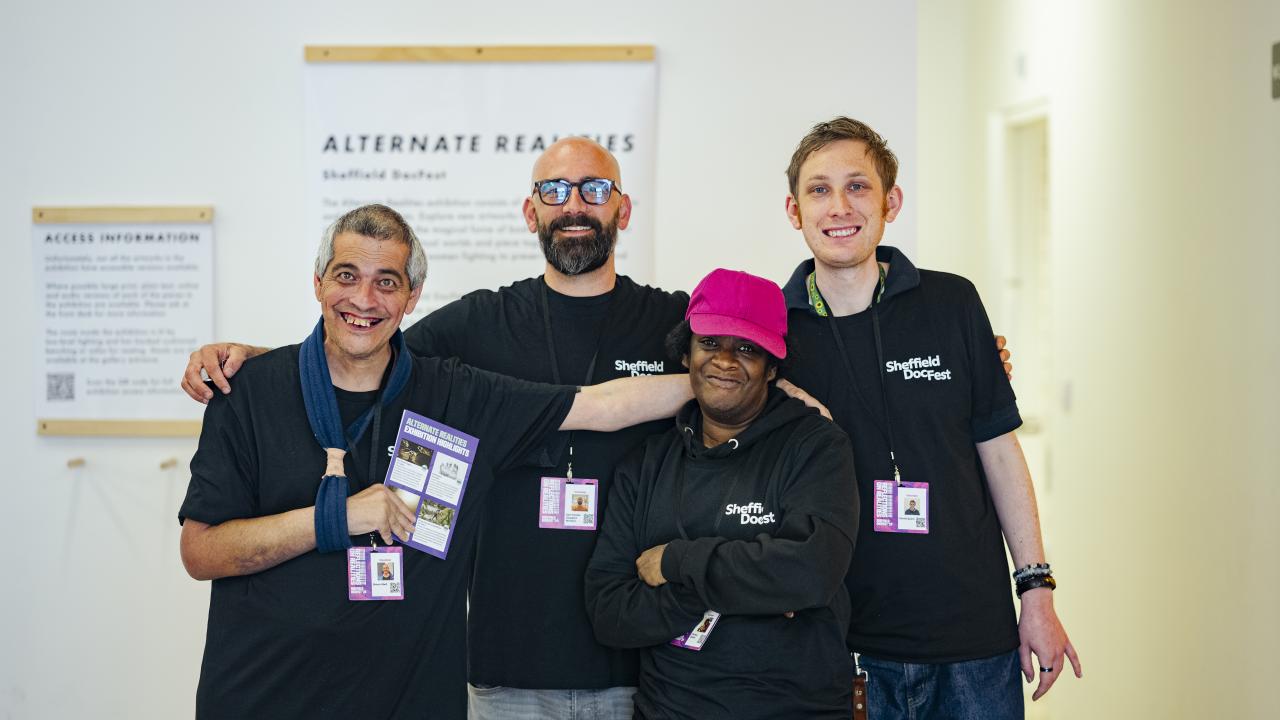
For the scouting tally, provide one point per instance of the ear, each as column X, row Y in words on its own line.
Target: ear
column 624, row 212
column 684, row 360
column 793, row 212
column 773, row 374
column 413, row 299
column 892, row 204
column 315, row 282
column 530, row 216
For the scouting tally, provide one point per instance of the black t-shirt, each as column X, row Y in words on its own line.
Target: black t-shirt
column 286, row 642
column 576, row 323
column 528, row 625
column 944, row 596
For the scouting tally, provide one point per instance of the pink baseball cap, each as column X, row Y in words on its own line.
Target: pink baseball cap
column 731, row 302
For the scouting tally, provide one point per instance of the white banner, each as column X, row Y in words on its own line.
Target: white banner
column 121, row 305
column 452, row 146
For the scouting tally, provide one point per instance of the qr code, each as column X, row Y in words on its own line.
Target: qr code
column 395, row 587
column 60, row 386
column 589, row 519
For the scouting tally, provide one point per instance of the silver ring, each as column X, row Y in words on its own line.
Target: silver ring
column 1045, row 669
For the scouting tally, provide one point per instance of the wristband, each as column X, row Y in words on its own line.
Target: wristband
column 1036, row 581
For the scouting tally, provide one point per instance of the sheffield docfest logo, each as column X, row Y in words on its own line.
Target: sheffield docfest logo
column 919, row 368
column 463, row 143
column 749, row 514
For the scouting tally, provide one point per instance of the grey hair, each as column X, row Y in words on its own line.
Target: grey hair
column 380, row 223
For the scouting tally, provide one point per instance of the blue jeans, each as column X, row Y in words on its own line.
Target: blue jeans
column 504, row 703
column 986, row 689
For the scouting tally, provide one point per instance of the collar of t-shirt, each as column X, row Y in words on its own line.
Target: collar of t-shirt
column 903, row 276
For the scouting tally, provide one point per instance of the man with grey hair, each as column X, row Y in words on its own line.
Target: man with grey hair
column 288, row 473
column 533, row 653
column 380, row 223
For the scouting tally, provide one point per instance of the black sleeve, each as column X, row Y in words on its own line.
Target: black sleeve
column 624, row 611
column 513, row 418
column 799, row 566
column 224, row 479
column 441, row 333
column 994, row 407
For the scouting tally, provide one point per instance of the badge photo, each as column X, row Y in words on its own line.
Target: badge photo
column 375, row 573
column 568, row 504
column 697, row 637
column 901, row 507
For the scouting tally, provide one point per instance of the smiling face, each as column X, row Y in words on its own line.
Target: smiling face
column 841, row 204
column 577, row 237
column 730, row 377
column 363, row 295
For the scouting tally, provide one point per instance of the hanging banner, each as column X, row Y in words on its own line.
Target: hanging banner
column 448, row 137
column 122, row 295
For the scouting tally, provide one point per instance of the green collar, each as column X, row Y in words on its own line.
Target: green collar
column 815, row 296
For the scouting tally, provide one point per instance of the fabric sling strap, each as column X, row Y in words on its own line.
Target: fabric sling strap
column 326, row 424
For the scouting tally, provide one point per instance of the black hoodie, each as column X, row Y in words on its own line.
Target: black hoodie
column 756, row 527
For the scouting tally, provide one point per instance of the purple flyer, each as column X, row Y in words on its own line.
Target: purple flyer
column 429, row 470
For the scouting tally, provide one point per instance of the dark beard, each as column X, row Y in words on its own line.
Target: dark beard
column 575, row 256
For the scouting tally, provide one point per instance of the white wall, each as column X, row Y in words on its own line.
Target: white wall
column 171, row 103
column 1165, row 169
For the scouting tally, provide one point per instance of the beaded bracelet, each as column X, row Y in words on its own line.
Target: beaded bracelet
column 1029, row 571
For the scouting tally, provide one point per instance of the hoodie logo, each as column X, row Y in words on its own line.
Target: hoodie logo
column 639, row 367
column 749, row 514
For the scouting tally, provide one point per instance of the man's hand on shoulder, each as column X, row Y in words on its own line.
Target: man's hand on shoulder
column 804, row 397
column 220, row 361
column 1042, row 633
column 1004, row 356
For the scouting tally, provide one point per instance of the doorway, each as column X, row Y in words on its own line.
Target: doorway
column 1018, row 214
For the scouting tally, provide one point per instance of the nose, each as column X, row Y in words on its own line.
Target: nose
column 725, row 358
column 575, row 204
column 840, row 204
column 365, row 295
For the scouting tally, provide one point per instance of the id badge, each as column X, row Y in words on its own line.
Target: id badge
column 569, row 504
column 901, row 507
column 375, row 573
column 697, row 637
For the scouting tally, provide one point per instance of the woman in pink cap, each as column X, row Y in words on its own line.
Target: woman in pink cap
column 728, row 537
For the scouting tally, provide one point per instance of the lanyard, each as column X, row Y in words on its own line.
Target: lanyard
column 373, row 451
column 887, row 431
column 551, row 350
column 373, row 443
